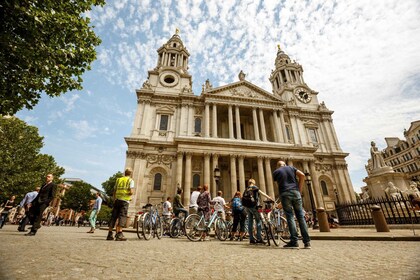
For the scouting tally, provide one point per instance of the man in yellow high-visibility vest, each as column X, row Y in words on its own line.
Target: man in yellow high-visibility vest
column 123, row 190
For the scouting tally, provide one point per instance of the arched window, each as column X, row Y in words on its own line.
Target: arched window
column 196, row 181
column 324, row 188
column 197, row 125
column 157, row 184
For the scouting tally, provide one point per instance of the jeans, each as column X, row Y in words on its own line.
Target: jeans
column 3, row 219
column 179, row 210
column 92, row 218
column 254, row 214
column 292, row 202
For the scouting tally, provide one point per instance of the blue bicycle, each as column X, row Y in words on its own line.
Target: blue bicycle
column 152, row 225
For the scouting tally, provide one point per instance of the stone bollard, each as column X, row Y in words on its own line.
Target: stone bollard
column 379, row 219
column 322, row 220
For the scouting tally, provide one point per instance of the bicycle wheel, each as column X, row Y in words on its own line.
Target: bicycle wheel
column 221, row 230
column 194, row 227
column 147, row 226
column 175, row 228
column 283, row 231
column 139, row 229
column 272, row 234
column 158, row 228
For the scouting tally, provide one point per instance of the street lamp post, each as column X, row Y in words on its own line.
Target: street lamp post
column 216, row 174
column 311, row 197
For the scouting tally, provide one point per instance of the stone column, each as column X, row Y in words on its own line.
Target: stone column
column 233, row 177
column 238, row 123
column 138, row 119
column 262, row 124
column 315, row 186
column 336, row 144
column 207, row 171
column 180, row 156
column 269, row 176
column 230, row 119
column 207, row 121
column 145, row 117
column 213, row 187
column 283, row 126
column 261, row 174
column 214, row 133
column 187, row 186
column 277, row 127
column 255, row 122
column 241, row 174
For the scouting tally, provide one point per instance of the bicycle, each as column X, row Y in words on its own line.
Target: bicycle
column 166, row 223
column 140, row 220
column 268, row 231
column 196, row 226
column 152, row 225
column 279, row 221
column 176, row 227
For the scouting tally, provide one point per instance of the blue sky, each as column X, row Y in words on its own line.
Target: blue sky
column 361, row 56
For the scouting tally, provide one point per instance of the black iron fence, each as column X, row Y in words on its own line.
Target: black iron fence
column 397, row 210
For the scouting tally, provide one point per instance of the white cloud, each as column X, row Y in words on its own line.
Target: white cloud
column 82, row 129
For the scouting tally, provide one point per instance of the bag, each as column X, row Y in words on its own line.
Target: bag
column 248, row 199
column 236, row 204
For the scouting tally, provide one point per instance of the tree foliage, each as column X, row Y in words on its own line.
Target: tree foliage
column 77, row 197
column 22, row 167
column 45, row 46
column 108, row 185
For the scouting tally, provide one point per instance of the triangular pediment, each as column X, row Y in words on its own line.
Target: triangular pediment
column 242, row 89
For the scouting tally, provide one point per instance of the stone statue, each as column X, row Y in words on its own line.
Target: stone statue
column 365, row 195
column 147, row 84
column 392, row 191
column 241, row 76
column 413, row 190
column 377, row 159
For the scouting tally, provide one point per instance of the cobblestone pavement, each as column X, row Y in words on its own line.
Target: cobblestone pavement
column 71, row 253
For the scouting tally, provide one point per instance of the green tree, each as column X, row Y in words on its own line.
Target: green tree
column 77, row 197
column 22, row 167
column 45, row 46
column 109, row 184
column 105, row 213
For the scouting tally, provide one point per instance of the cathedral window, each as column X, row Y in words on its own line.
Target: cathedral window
column 197, row 125
column 324, row 188
column 312, row 135
column 196, row 181
column 157, row 183
column 164, row 120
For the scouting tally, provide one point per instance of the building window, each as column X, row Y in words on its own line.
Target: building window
column 164, row 119
column 157, row 184
column 197, row 125
column 196, row 181
column 312, row 135
column 324, row 188
column 289, row 135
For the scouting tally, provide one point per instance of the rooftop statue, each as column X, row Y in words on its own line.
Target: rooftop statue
column 377, row 159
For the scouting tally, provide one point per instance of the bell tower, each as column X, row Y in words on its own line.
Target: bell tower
column 171, row 72
column 287, row 80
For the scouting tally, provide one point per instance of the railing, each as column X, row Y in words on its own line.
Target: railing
column 397, row 210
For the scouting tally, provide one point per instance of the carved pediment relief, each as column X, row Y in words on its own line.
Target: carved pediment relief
column 165, row 110
column 244, row 91
column 310, row 123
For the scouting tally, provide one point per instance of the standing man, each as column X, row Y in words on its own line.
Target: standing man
column 193, row 200
column 219, row 204
column 291, row 199
column 123, row 190
column 40, row 203
column 26, row 203
column 95, row 211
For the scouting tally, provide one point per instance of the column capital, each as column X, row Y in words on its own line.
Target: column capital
column 188, row 155
column 207, row 155
column 180, row 153
column 233, row 155
column 241, row 157
column 215, row 155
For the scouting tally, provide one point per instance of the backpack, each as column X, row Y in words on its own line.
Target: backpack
column 236, row 204
column 248, row 199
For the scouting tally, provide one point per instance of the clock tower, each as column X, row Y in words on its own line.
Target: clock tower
column 287, row 81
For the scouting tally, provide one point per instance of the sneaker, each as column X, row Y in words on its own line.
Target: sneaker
column 110, row 236
column 261, row 242
column 120, row 237
column 291, row 246
column 307, row 246
column 253, row 242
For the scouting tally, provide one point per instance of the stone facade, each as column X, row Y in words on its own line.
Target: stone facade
column 180, row 138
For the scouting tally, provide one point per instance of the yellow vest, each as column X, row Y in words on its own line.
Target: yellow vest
column 122, row 189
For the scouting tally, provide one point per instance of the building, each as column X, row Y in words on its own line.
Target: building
column 404, row 155
column 228, row 134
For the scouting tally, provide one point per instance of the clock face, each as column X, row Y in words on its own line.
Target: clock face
column 303, row 96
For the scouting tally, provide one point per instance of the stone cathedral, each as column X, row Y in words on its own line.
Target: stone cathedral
column 229, row 134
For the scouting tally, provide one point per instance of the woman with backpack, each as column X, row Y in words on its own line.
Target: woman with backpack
column 239, row 217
